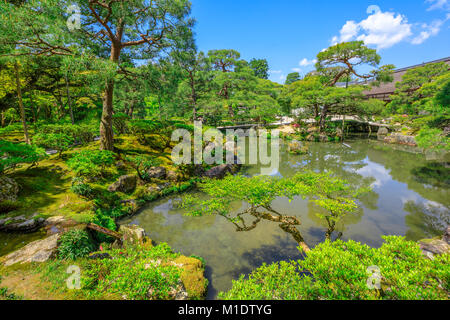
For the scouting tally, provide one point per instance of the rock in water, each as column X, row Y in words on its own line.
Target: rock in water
column 9, row 189
column 21, row 224
column 430, row 247
column 37, row 251
column 446, row 237
column 296, row 147
column 383, row 131
column 397, row 138
column 125, row 184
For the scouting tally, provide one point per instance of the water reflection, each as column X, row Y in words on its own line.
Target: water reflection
column 410, row 197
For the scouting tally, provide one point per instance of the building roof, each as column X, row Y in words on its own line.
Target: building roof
column 389, row 88
column 386, row 89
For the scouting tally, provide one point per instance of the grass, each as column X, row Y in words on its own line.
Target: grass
column 137, row 272
column 46, row 189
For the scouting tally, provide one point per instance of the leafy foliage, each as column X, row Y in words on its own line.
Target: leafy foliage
column 90, row 163
column 142, row 163
column 338, row 271
column 133, row 274
column 75, row 244
column 13, row 155
column 57, row 141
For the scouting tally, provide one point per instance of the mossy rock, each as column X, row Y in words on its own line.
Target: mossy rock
column 192, row 276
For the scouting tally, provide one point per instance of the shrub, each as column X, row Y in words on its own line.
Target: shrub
column 74, row 244
column 91, row 163
column 8, row 206
column 80, row 133
column 120, row 122
column 81, row 188
column 103, row 220
column 432, row 139
column 13, row 155
column 140, row 128
column 58, row 141
column 128, row 274
column 339, row 270
column 142, row 163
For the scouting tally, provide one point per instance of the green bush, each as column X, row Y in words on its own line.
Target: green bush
column 81, row 188
column 103, row 219
column 74, row 244
column 91, row 163
column 58, row 141
column 13, row 155
column 80, row 133
column 120, row 122
column 339, row 271
column 127, row 274
column 142, row 163
column 8, row 206
column 433, row 139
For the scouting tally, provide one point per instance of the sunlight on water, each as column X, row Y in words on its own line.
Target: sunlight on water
column 410, row 197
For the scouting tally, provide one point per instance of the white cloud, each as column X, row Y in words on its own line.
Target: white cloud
column 297, row 70
column 305, row 62
column 386, row 29
column 275, row 71
column 438, row 4
column 429, row 31
column 349, row 31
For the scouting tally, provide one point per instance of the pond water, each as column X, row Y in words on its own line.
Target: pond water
column 410, row 197
column 10, row 242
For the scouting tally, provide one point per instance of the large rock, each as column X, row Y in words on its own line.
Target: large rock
column 21, row 224
column 132, row 234
column 398, row 138
column 296, row 147
column 323, row 138
column 172, row 175
column 383, row 131
column 37, row 251
column 219, row 172
column 125, row 184
column 436, row 246
column 157, row 173
column 59, row 224
column 446, row 236
column 9, row 189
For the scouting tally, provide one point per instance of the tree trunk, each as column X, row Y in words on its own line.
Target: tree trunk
column 3, row 119
column 33, row 109
column 343, row 127
column 323, row 118
column 193, row 96
column 69, row 102
column 22, row 109
column 106, row 129
column 106, row 126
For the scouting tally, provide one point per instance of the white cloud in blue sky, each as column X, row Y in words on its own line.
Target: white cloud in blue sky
column 386, row 29
column 438, row 4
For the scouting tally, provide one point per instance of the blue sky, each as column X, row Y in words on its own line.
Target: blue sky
column 290, row 33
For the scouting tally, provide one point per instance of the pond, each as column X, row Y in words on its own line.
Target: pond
column 410, row 197
column 10, row 242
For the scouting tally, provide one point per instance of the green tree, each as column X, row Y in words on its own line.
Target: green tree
column 418, row 88
column 113, row 28
column 345, row 58
column 260, row 67
column 292, row 77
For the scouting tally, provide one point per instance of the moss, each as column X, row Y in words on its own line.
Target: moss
column 192, row 276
